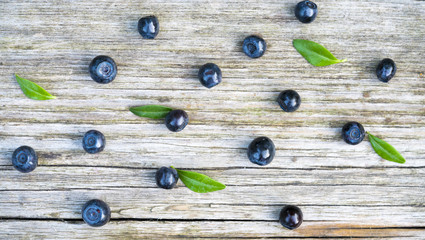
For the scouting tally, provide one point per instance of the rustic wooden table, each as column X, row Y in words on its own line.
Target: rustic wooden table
column 344, row 191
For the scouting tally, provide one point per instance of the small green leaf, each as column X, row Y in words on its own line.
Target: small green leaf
column 385, row 150
column 199, row 183
column 315, row 53
column 151, row 111
column 32, row 90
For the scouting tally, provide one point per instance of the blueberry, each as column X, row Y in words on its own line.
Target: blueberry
column 386, row 70
column 103, row 69
column 166, row 177
column 148, row 27
column 291, row 217
column 24, row 159
column 94, row 141
column 96, row 213
column 353, row 133
column 176, row 120
column 261, row 151
column 209, row 75
column 306, row 11
column 289, row 100
column 254, row 47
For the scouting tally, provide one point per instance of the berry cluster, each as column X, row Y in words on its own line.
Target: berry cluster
column 261, row 150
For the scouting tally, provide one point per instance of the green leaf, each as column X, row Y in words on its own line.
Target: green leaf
column 315, row 53
column 199, row 183
column 32, row 90
column 385, row 150
column 151, row 111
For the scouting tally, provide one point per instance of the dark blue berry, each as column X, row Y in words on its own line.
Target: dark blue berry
column 254, row 47
column 24, row 159
column 176, row 120
column 148, row 27
column 306, row 11
column 209, row 75
column 94, row 141
column 166, row 177
column 96, row 213
column 353, row 133
column 261, row 151
column 291, row 217
column 386, row 70
column 103, row 69
column 289, row 100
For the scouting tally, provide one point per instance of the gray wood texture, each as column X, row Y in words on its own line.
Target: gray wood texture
column 344, row 191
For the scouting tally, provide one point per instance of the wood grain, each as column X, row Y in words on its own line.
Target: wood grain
column 344, row 191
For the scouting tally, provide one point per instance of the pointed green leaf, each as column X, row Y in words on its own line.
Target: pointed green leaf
column 385, row 150
column 32, row 90
column 199, row 183
column 315, row 53
column 151, row 111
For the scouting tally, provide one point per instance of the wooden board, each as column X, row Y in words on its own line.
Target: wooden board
column 344, row 191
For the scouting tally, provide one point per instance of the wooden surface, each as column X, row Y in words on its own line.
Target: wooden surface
column 344, row 191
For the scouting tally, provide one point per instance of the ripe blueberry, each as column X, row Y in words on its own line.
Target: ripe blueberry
column 24, row 159
column 386, row 70
column 306, row 11
column 261, row 151
column 94, row 141
column 166, row 177
column 254, row 47
column 148, row 27
column 176, row 120
column 291, row 217
column 103, row 69
column 209, row 75
column 353, row 133
column 289, row 100
column 96, row 213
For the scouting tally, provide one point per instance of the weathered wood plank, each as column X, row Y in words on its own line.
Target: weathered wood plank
column 202, row 229
column 344, row 191
column 403, row 206
column 152, row 145
column 60, row 177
